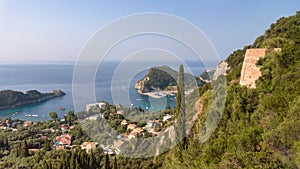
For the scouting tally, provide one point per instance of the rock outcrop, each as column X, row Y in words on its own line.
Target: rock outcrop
column 220, row 70
column 142, row 86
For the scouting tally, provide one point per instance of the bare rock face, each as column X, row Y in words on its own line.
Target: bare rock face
column 142, row 86
column 58, row 93
column 221, row 70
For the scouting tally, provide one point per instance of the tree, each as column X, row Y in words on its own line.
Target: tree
column 47, row 146
column 23, row 149
column 180, row 131
column 70, row 117
column 115, row 163
column 53, row 115
column 107, row 165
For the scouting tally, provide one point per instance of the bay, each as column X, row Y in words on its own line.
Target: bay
column 48, row 77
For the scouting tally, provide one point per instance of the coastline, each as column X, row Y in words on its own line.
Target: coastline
column 54, row 94
column 161, row 94
column 158, row 94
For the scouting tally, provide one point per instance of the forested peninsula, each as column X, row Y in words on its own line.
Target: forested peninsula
column 11, row 99
column 163, row 78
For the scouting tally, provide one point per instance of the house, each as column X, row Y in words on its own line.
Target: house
column 152, row 124
column 167, row 118
column 121, row 112
column 93, row 105
column 124, row 122
column 64, row 140
column 88, row 146
column 138, row 130
column 118, row 144
column 2, row 127
column 27, row 123
column 131, row 126
column 64, row 127
column 102, row 105
column 133, row 135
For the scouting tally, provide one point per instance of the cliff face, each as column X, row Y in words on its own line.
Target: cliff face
column 220, row 70
column 142, row 86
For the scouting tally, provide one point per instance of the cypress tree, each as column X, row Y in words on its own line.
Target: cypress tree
column 107, row 166
column 23, row 149
column 47, row 146
column 73, row 161
column 91, row 160
column 115, row 163
column 180, row 130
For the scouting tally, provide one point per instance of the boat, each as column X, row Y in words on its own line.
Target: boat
column 31, row 115
column 62, row 108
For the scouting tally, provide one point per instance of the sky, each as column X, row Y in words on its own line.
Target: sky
column 35, row 31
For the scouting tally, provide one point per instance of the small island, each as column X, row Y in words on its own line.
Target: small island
column 161, row 81
column 11, row 99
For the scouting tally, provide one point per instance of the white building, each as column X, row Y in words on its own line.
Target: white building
column 167, row 118
column 93, row 105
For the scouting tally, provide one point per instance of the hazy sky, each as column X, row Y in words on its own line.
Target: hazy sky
column 35, row 31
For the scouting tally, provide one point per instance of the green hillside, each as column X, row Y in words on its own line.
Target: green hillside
column 260, row 128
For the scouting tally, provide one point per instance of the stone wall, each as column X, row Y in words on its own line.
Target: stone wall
column 250, row 72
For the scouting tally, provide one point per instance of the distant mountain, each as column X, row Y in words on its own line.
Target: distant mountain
column 10, row 98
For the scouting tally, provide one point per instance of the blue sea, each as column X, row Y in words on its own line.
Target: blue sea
column 48, row 77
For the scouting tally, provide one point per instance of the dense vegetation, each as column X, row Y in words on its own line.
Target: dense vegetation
column 163, row 77
column 16, row 98
column 259, row 127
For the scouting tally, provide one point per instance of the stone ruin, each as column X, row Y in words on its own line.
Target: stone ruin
column 250, row 72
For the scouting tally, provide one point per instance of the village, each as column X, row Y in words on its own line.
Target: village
column 66, row 133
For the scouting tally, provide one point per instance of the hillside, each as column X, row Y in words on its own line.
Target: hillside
column 164, row 78
column 260, row 128
column 10, row 98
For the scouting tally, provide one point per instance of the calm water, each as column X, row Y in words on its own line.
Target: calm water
column 46, row 78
